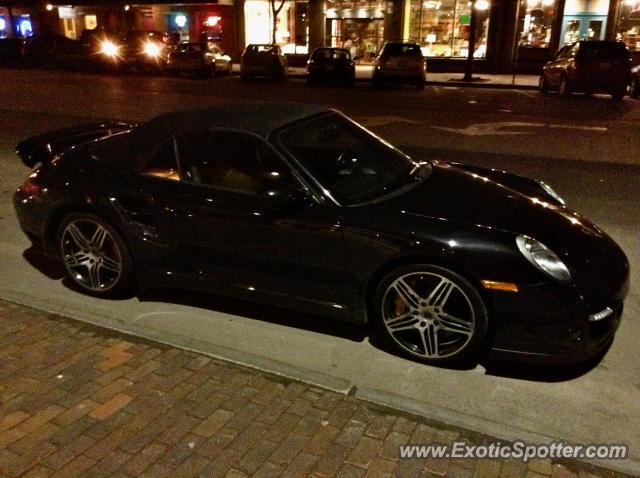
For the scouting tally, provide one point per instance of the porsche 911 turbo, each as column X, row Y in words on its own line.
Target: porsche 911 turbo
column 298, row 206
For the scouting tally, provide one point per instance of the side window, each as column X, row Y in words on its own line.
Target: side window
column 162, row 163
column 232, row 161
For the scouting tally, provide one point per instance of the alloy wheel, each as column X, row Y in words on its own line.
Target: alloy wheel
column 428, row 315
column 91, row 255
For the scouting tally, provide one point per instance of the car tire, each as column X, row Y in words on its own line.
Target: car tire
column 430, row 313
column 420, row 85
column 376, row 82
column 244, row 77
column 543, row 85
column 618, row 94
column 565, row 87
column 634, row 88
column 94, row 256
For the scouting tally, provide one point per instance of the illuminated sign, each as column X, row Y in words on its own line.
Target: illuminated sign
column 181, row 20
column 212, row 21
column 24, row 27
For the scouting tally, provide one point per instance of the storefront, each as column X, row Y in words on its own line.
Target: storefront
column 291, row 25
column 357, row 26
column 194, row 22
column 628, row 24
column 15, row 21
column 442, row 27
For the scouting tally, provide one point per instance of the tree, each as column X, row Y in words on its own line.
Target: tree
column 274, row 13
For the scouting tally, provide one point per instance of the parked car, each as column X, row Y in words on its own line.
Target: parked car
column 588, row 67
column 331, row 64
column 144, row 50
column 400, row 62
column 11, row 51
column 634, row 84
column 200, row 58
column 101, row 48
column 263, row 60
column 297, row 205
column 50, row 50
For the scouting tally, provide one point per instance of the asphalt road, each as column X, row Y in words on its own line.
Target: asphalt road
column 587, row 148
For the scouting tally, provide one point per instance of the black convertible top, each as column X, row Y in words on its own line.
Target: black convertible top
column 131, row 150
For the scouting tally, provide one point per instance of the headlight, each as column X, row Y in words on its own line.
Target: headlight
column 543, row 258
column 151, row 49
column 549, row 190
column 109, row 48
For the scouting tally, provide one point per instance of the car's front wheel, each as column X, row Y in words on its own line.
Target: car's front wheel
column 565, row 87
column 543, row 85
column 430, row 313
column 634, row 88
column 94, row 255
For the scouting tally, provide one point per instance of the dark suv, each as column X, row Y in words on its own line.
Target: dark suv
column 400, row 62
column 589, row 67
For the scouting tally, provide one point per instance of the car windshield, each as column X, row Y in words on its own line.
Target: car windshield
column 351, row 164
column 331, row 54
column 603, row 50
column 398, row 49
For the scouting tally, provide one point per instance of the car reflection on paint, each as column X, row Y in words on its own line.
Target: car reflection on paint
column 299, row 206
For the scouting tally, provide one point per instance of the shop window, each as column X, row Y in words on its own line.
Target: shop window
column 442, row 27
column 536, row 23
column 628, row 24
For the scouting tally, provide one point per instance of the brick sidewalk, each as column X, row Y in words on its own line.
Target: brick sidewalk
column 77, row 400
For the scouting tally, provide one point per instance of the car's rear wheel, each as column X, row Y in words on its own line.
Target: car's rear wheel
column 376, row 82
column 634, row 88
column 420, row 84
column 618, row 94
column 94, row 255
column 565, row 86
column 430, row 313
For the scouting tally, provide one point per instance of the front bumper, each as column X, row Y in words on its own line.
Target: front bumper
column 548, row 324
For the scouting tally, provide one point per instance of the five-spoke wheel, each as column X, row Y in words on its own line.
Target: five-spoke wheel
column 430, row 313
column 94, row 255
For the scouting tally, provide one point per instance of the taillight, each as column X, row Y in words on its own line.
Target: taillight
column 30, row 187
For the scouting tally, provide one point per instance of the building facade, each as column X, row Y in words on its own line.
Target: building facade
column 509, row 34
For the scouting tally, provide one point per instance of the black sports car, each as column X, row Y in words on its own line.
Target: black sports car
column 297, row 205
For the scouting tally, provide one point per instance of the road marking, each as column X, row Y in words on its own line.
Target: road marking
column 505, row 128
column 584, row 128
column 374, row 121
column 485, row 129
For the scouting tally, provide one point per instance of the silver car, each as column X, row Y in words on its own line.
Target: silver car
column 200, row 58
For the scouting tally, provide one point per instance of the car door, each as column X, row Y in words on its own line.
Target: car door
column 240, row 216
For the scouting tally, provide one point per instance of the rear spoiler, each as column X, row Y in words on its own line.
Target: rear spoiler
column 42, row 148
